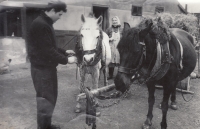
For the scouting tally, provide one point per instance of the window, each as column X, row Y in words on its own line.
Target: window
column 10, row 22
column 136, row 11
column 159, row 9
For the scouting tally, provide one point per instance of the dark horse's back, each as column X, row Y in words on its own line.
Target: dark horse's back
column 189, row 54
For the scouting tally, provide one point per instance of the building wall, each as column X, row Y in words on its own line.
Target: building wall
column 70, row 23
column 113, row 4
column 170, row 6
column 72, row 19
column 13, row 48
column 125, row 16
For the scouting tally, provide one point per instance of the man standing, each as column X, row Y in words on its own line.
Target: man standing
column 44, row 57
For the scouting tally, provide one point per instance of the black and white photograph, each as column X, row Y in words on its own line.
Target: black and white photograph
column 99, row 64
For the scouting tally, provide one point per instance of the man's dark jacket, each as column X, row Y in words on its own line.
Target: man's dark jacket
column 42, row 47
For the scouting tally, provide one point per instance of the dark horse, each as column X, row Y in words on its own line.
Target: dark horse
column 169, row 58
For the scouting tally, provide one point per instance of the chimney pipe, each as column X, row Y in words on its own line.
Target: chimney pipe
column 186, row 7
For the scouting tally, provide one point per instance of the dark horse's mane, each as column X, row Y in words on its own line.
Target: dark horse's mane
column 130, row 37
column 162, row 34
column 127, row 41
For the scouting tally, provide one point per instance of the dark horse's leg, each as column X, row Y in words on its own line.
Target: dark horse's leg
column 173, row 99
column 164, row 105
column 168, row 88
column 151, row 101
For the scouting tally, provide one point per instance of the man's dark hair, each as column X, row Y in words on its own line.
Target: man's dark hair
column 57, row 6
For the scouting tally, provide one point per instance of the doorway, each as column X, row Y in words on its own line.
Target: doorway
column 103, row 11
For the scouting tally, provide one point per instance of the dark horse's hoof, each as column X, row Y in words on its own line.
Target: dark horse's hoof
column 147, row 124
column 173, row 106
column 144, row 126
column 77, row 110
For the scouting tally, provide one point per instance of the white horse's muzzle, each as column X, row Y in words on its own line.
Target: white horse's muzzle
column 89, row 58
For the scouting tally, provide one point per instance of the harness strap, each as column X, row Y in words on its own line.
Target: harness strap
column 130, row 70
column 165, row 62
column 89, row 51
column 158, row 59
column 97, row 51
column 181, row 49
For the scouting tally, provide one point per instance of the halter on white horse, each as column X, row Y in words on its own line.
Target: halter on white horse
column 91, row 40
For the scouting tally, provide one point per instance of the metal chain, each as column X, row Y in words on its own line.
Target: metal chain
column 123, row 96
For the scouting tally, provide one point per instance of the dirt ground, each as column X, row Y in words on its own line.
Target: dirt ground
column 18, row 104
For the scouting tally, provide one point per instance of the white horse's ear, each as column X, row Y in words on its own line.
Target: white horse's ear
column 99, row 20
column 82, row 18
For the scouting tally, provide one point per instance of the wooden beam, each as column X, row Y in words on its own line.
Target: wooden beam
column 23, row 22
column 5, row 24
column 183, row 91
column 96, row 92
column 24, row 30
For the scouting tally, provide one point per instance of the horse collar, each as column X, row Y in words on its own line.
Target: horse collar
column 161, row 65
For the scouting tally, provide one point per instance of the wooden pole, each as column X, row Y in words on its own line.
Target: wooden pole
column 96, row 92
column 198, row 50
column 184, row 91
column 5, row 25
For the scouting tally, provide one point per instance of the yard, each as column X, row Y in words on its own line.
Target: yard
column 18, row 104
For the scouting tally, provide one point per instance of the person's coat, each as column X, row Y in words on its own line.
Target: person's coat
column 115, row 58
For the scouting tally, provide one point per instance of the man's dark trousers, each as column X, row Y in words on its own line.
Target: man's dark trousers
column 46, row 86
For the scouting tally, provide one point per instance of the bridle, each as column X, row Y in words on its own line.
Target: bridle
column 97, row 50
column 131, row 70
column 139, row 69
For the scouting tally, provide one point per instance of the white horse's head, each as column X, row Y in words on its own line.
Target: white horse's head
column 90, row 37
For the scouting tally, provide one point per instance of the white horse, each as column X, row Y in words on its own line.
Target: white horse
column 92, row 51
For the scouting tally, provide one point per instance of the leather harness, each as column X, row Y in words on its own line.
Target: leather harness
column 158, row 71
column 130, row 70
column 97, row 51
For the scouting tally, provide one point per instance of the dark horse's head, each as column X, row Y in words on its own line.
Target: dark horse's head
column 131, row 49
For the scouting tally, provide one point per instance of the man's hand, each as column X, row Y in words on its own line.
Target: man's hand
column 70, row 52
column 72, row 59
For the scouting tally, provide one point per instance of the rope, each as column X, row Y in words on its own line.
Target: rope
column 183, row 95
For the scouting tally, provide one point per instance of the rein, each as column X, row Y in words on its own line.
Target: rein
column 183, row 94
